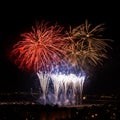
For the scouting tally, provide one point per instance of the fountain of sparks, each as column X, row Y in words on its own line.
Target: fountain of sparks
column 44, row 82
column 67, row 88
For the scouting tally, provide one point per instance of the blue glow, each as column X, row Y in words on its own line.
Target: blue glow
column 61, row 86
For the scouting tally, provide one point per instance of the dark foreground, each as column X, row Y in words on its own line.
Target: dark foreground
column 33, row 111
column 20, row 107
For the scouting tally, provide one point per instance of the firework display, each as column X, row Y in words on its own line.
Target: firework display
column 62, row 57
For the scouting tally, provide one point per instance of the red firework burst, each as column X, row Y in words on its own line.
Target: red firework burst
column 40, row 48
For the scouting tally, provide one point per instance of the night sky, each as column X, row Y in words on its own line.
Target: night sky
column 17, row 18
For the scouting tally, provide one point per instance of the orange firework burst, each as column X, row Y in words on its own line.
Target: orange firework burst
column 86, row 47
column 40, row 48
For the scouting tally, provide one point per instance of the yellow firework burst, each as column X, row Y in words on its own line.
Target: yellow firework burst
column 86, row 45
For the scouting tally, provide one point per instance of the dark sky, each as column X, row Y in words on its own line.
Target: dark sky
column 18, row 17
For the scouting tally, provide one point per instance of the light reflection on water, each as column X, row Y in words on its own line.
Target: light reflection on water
column 27, row 110
column 39, row 112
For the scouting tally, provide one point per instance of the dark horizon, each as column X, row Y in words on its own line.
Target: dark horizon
column 15, row 21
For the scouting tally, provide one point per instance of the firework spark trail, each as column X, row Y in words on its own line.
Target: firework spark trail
column 40, row 48
column 81, row 83
column 65, row 85
column 71, row 80
column 44, row 82
column 75, row 83
column 57, row 85
column 67, row 82
column 60, row 78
